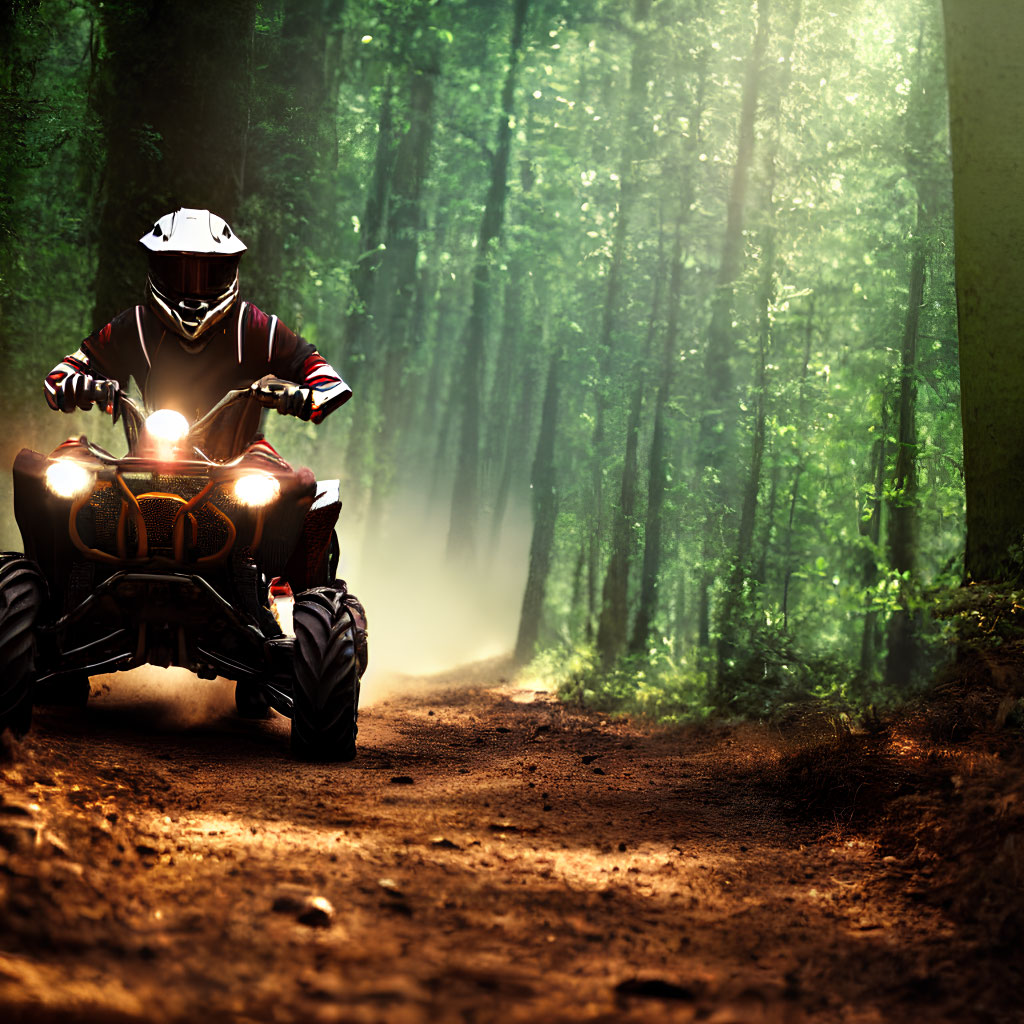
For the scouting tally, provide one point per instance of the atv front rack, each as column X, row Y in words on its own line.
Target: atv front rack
column 184, row 519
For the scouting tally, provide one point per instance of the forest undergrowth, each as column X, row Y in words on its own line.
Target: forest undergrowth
column 775, row 680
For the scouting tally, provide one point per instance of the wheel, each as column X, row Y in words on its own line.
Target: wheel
column 65, row 691
column 326, row 694
column 21, row 596
column 251, row 702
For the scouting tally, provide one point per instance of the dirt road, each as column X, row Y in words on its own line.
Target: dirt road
column 490, row 855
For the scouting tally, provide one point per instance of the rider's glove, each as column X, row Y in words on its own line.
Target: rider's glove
column 288, row 399
column 83, row 391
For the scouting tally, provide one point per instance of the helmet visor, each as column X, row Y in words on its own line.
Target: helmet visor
column 184, row 275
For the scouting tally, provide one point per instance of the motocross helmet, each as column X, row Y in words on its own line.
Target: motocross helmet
column 193, row 271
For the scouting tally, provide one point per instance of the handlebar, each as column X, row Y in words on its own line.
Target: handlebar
column 133, row 420
column 135, row 417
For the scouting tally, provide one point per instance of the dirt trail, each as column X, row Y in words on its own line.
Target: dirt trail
column 490, row 855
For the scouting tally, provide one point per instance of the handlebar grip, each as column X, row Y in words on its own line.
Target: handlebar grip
column 271, row 392
column 106, row 394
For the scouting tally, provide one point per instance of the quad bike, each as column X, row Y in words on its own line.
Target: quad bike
column 166, row 557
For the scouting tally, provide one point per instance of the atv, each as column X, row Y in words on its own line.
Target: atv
column 173, row 555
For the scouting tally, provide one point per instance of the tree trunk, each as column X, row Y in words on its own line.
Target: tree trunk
column 502, row 431
column 794, row 495
column 462, row 530
column 576, row 606
column 657, row 458
column 25, row 30
column 729, row 626
column 514, row 461
column 291, row 65
column 404, row 228
column 984, row 40
column 396, row 296
column 358, row 349
column 613, row 625
column 716, row 425
column 768, row 527
column 873, row 534
column 902, row 505
column 732, row 602
column 606, row 347
column 921, row 156
column 163, row 154
column 545, row 512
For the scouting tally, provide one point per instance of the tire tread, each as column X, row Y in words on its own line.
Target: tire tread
column 326, row 696
column 21, row 596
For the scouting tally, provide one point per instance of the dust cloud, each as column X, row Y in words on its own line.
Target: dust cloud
column 169, row 699
column 425, row 614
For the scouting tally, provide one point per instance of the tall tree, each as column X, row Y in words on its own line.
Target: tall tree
column 613, row 612
column 173, row 128
column 742, row 570
column 462, row 529
column 658, row 457
column 545, row 510
column 399, row 293
column 291, row 148
column 924, row 155
column 986, row 104
column 718, row 416
column 613, row 625
column 372, row 232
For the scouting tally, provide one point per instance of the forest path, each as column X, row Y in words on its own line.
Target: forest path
column 491, row 854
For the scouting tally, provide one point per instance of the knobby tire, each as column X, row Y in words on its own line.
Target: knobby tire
column 326, row 695
column 21, row 596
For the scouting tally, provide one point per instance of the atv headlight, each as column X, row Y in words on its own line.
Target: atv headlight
column 257, row 489
column 67, row 478
column 166, row 426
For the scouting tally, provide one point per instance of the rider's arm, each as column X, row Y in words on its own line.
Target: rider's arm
column 327, row 389
column 88, row 376
column 320, row 388
column 75, row 383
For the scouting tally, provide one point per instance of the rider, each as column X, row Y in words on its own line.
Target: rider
column 194, row 339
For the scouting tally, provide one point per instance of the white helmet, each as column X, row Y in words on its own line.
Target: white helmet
column 193, row 270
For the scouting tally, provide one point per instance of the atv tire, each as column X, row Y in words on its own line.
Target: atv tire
column 326, row 694
column 21, row 597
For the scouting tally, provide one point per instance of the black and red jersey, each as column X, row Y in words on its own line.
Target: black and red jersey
column 243, row 347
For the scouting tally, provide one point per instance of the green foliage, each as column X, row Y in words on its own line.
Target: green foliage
column 665, row 686
column 774, row 674
column 983, row 617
